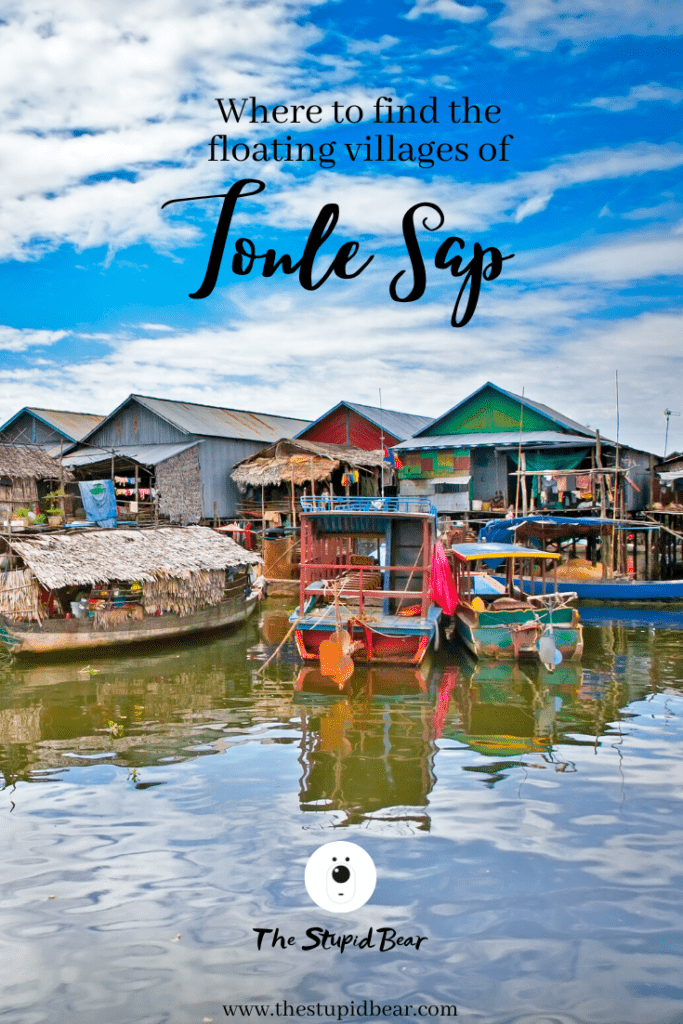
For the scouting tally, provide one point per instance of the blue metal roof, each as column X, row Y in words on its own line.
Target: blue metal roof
column 497, row 440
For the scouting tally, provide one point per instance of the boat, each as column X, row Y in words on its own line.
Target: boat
column 75, row 591
column 579, row 576
column 365, row 579
column 616, row 591
column 507, row 709
column 386, row 681
column 497, row 619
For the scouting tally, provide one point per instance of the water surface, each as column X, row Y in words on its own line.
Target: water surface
column 159, row 806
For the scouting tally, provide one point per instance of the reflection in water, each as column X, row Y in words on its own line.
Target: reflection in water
column 528, row 823
column 369, row 748
column 369, row 754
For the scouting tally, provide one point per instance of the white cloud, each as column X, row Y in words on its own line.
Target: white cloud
column 282, row 356
column 542, row 24
column 663, row 211
column 448, row 9
column 620, row 259
column 374, row 205
column 636, row 94
column 126, row 91
column 16, row 339
column 371, row 45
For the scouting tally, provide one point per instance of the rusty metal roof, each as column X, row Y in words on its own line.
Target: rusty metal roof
column 73, row 425
column 213, row 421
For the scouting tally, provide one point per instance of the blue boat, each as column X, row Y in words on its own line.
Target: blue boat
column 497, row 620
column 535, row 530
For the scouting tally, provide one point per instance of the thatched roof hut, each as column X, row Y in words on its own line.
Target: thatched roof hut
column 21, row 467
column 28, row 461
column 98, row 557
column 300, row 461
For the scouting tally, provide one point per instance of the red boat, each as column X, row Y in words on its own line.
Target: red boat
column 365, row 578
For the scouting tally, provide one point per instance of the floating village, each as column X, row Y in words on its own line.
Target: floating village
column 389, row 533
column 228, row 637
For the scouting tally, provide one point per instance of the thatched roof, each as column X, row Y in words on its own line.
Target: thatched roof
column 81, row 558
column 22, row 461
column 300, row 461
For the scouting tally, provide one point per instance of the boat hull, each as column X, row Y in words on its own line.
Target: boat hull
column 60, row 635
column 512, row 636
column 618, row 591
column 383, row 641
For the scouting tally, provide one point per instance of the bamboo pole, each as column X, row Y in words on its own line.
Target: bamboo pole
column 519, row 454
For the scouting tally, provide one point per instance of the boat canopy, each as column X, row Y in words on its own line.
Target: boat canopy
column 473, row 552
column 556, row 527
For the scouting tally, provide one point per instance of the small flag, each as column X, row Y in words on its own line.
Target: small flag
column 392, row 459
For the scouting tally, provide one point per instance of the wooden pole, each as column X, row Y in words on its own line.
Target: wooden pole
column 519, row 455
column 601, row 478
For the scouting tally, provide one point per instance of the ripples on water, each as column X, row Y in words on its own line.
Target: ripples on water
column 158, row 807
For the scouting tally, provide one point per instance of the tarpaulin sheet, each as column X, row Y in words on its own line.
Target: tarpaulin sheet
column 99, row 501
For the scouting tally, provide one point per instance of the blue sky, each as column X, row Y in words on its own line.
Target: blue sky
column 108, row 110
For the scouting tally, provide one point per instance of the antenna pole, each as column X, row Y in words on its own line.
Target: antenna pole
column 381, row 438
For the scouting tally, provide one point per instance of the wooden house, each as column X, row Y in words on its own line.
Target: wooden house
column 495, row 449
column 179, row 454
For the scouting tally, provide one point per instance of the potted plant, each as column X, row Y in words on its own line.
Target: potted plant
column 20, row 518
column 55, row 507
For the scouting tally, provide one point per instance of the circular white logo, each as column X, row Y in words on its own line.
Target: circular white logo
column 340, row 877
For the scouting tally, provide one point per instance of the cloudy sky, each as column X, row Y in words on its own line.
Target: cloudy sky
column 108, row 111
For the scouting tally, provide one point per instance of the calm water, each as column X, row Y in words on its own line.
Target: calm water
column 158, row 807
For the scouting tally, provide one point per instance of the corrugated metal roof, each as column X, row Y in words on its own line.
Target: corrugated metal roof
column 145, row 454
column 213, row 421
column 74, row 424
column 545, row 410
column 398, row 424
column 498, row 440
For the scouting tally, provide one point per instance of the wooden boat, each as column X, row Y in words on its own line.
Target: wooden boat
column 556, row 530
column 498, row 620
column 139, row 586
column 57, row 635
column 383, row 605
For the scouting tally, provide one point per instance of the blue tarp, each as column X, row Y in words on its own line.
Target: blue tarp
column 502, row 531
column 99, row 501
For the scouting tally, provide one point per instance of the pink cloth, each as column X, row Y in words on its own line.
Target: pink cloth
column 441, row 583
